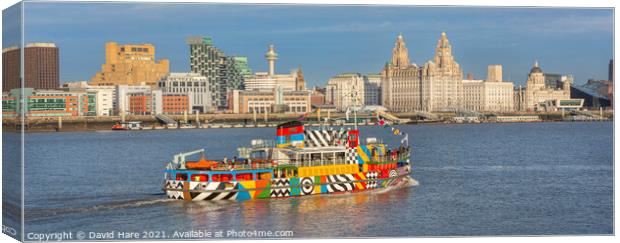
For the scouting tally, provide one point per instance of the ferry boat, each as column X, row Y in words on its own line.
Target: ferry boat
column 135, row 125
column 298, row 162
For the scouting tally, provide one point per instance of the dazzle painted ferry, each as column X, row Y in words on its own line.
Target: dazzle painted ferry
column 298, row 162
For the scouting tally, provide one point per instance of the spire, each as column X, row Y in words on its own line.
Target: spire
column 400, row 54
column 443, row 41
column 443, row 51
column 536, row 63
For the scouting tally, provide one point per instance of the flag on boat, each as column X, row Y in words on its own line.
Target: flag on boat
column 381, row 122
column 347, row 113
column 396, row 131
column 405, row 140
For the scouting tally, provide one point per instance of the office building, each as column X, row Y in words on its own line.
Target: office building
column 41, row 67
column 260, row 102
column 155, row 103
column 346, row 91
column 372, row 89
column 130, row 64
column 191, row 84
column 105, row 95
column 49, row 103
column 491, row 95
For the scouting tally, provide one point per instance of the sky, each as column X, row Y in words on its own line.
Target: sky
column 328, row 40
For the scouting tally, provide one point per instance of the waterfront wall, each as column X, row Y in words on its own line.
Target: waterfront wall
column 226, row 120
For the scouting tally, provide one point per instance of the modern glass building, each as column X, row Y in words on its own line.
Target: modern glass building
column 221, row 71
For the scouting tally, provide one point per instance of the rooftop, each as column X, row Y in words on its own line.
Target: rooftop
column 41, row 44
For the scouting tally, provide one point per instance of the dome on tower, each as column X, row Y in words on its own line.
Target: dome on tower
column 536, row 68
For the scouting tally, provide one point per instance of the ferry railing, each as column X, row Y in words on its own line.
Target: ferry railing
column 249, row 164
column 265, row 144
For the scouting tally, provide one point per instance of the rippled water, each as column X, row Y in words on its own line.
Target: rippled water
column 483, row 179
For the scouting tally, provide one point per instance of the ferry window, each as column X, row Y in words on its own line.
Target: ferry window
column 199, row 177
column 181, row 177
column 265, row 176
column 225, row 177
column 260, row 154
column 316, row 157
column 340, row 157
column 244, row 177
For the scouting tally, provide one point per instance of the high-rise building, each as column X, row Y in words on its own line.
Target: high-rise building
column 346, row 91
column 41, row 70
column 11, row 68
column 191, row 84
column 241, row 64
column 434, row 86
column 224, row 73
column 130, row 64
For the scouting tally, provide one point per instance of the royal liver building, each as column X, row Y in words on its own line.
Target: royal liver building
column 432, row 87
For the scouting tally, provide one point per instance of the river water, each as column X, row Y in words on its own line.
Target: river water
column 480, row 179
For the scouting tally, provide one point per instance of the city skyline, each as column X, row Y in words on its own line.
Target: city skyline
column 328, row 40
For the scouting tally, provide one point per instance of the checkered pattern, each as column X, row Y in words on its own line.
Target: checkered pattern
column 371, row 177
column 351, row 156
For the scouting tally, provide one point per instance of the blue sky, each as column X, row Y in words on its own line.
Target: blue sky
column 328, row 40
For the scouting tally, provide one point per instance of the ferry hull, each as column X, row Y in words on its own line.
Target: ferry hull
column 285, row 187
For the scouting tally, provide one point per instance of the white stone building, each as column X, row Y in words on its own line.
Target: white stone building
column 260, row 102
column 434, row 86
column 537, row 92
column 192, row 84
column 491, row 94
column 105, row 95
column 346, row 90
